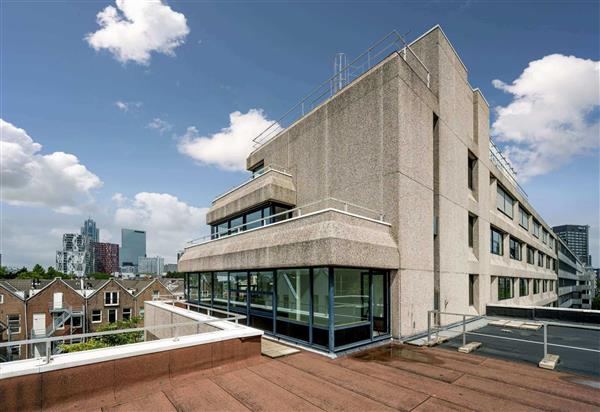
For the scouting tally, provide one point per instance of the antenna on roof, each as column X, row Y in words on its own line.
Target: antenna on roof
column 340, row 72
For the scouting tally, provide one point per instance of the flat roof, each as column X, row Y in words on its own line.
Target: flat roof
column 585, row 361
column 388, row 377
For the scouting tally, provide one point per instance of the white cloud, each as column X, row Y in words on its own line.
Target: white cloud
column 56, row 180
column 553, row 115
column 168, row 222
column 136, row 28
column 160, row 125
column 127, row 106
column 119, row 199
column 228, row 148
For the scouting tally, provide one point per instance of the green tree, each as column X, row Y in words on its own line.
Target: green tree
column 109, row 340
column 53, row 273
column 175, row 275
column 38, row 271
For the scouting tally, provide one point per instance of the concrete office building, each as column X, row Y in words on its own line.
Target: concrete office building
column 154, row 266
column 133, row 246
column 385, row 201
column 576, row 283
column 577, row 237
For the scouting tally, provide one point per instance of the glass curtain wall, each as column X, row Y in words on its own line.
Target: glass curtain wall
column 329, row 308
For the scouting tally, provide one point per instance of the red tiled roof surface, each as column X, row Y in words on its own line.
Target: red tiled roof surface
column 386, row 378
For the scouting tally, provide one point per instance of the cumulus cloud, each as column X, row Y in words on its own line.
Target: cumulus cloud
column 553, row 116
column 135, row 29
column 229, row 147
column 168, row 221
column 160, row 125
column 56, row 180
column 127, row 106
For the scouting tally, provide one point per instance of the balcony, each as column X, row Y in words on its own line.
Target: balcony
column 272, row 184
column 328, row 232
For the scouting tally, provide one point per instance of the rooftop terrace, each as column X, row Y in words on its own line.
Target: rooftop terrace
column 384, row 378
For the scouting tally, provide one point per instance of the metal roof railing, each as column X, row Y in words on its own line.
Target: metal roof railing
column 346, row 75
column 329, row 203
column 497, row 158
column 254, row 176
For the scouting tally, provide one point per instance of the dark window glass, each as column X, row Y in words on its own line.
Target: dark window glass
column 253, row 220
column 505, row 288
column 472, row 160
column 205, row 288
column 530, row 255
column 523, row 287
column 515, row 249
column 496, row 242
column 472, row 279
column 523, row 218
column 235, row 224
column 472, row 220
column 536, row 286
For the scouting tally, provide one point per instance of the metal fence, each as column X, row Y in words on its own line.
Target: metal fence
column 466, row 318
column 502, row 163
column 376, row 53
column 329, row 203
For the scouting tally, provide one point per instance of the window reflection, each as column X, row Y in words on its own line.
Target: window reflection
column 351, row 296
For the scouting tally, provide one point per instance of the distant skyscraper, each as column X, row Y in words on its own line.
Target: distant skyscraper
column 106, row 257
column 577, row 237
column 133, row 246
column 75, row 258
column 151, row 266
column 90, row 230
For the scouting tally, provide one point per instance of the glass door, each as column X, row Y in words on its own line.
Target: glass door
column 379, row 304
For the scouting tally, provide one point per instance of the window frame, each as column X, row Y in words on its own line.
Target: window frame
column 9, row 323
column 500, row 243
column 523, row 285
column 1, row 299
column 116, row 310
column 99, row 312
column 505, row 283
column 502, row 193
column 536, row 228
column 522, row 213
column 532, row 250
column 518, row 255
column 111, row 293
column 126, row 313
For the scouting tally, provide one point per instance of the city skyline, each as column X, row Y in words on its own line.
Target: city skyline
column 160, row 113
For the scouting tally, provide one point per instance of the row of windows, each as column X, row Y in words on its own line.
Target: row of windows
column 111, row 315
column 505, row 203
column 516, row 249
column 251, row 219
column 506, row 287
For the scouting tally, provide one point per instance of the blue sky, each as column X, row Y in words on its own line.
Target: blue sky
column 239, row 56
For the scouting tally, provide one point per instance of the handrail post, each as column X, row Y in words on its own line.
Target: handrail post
column 464, row 330
column 545, row 339
column 48, row 351
column 428, row 326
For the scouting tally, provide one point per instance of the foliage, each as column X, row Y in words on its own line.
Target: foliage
column 109, row 340
column 100, row 275
column 175, row 275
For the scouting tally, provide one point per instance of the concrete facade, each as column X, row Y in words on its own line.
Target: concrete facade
column 576, row 282
column 394, row 143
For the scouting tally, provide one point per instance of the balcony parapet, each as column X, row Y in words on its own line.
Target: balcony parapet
column 272, row 184
column 325, row 236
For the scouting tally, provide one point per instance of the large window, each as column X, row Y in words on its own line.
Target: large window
column 250, row 220
column 505, row 288
column 496, row 246
column 504, row 202
column 293, row 302
column 523, row 287
column 536, row 286
column 472, row 289
column 351, row 296
column 530, row 255
column 205, row 289
column 515, row 249
column 261, row 292
column 540, row 259
column 523, row 218
column 536, row 228
column 238, row 290
column 221, row 289
column 192, row 284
